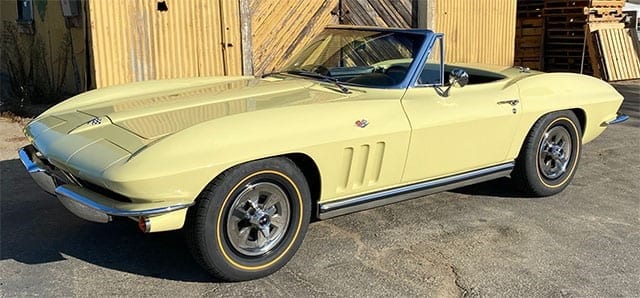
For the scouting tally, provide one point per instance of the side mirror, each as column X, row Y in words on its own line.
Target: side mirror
column 457, row 77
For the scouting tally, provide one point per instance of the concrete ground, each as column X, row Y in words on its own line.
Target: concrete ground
column 484, row 240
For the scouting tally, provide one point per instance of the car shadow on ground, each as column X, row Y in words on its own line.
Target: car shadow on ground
column 501, row 187
column 35, row 229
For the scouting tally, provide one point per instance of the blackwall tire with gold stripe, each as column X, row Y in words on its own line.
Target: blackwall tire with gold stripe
column 549, row 156
column 250, row 220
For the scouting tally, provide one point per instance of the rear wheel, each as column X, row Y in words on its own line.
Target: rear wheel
column 550, row 155
column 250, row 221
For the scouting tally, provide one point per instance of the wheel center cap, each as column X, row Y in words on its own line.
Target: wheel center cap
column 260, row 218
column 556, row 151
column 264, row 220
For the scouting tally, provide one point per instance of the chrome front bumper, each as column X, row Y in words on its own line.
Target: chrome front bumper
column 37, row 169
column 82, row 202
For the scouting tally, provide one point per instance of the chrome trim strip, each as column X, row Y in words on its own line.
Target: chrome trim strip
column 619, row 119
column 67, row 192
column 372, row 200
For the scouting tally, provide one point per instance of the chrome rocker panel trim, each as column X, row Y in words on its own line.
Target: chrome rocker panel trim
column 619, row 119
column 385, row 197
column 82, row 202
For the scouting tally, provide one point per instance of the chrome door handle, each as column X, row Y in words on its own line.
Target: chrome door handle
column 512, row 102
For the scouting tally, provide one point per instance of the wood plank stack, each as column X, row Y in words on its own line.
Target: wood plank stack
column 529, row 34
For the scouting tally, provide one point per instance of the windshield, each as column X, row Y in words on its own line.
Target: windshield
column 358, row 57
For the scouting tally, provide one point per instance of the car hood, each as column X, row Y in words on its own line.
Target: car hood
column 88, row 133
column 176, row 104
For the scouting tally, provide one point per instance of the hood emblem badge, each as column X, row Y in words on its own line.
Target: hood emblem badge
column 362, row 123
column 95, row 121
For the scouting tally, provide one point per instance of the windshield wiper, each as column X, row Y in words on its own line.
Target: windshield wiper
column 270, row 74
column 325, row 78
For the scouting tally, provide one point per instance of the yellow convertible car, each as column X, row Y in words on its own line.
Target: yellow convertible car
column 362, row 117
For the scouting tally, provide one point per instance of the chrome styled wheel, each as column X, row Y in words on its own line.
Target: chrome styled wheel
column 258, row 219
column 555, row 152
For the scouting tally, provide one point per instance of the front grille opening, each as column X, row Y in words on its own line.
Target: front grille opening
column 66, row 177
column 105, row 192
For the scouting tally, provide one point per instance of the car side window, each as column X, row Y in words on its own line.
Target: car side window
column 432, row 71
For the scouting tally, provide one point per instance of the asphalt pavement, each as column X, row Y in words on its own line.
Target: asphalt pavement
column 483, row 240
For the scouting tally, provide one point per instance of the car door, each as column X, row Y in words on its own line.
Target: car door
column 469, row 129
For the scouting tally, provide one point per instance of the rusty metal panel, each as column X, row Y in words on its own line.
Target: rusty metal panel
column 479, row 31
column 382, row 13
column 281, row 27
column 133, row 41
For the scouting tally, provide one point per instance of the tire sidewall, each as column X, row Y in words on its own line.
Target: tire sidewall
column 538, row 182
column 221, row 254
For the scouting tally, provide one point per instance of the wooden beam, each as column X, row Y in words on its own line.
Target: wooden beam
column 425, row 13
column 245, row 31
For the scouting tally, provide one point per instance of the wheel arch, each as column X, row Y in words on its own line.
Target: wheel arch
column 304, row 162
column 311, row 173
column 580, row 114
column 582, row 118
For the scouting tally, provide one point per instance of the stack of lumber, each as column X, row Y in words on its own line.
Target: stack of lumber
column 529, row 34
column 614, row 49
column 564, row 44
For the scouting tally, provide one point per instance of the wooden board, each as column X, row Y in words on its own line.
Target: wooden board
column 280, row 28
column 383, row 13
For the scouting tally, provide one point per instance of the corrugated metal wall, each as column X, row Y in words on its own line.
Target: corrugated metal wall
column 478, row 31
column 383, row 13
column 133, row 41
column 281, row 27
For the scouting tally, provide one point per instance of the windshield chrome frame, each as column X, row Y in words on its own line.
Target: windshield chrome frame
column 434, row 38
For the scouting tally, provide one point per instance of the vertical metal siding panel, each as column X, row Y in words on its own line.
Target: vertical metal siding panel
column 110, row 41
column 481, row 31
column 233, row 53
column 210, row 51
column 132, row 41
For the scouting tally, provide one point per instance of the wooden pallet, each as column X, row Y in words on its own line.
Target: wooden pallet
column 604, row 14
column 529, row 34
column 618, row 53
column 566, row 3
column 530, row 9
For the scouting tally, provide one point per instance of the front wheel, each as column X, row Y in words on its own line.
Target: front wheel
column 250, row 221
column 549, row 155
